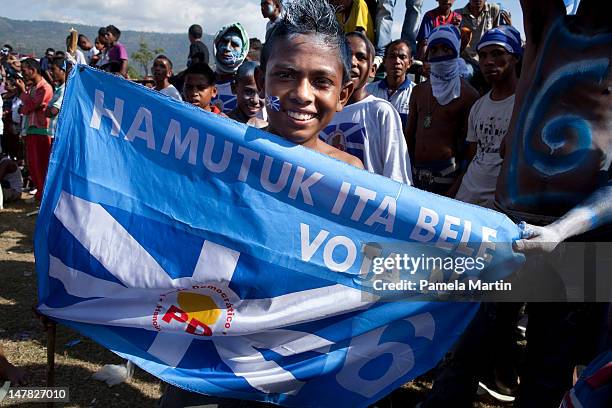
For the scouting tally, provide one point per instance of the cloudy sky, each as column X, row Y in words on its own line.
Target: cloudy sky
column 177, row 15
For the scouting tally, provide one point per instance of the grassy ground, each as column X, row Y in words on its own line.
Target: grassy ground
column 25, row 343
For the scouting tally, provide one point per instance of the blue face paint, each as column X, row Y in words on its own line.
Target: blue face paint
column 230, row 49
column 273, row 102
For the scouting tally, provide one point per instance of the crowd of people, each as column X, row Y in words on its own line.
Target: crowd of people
column 431, row 109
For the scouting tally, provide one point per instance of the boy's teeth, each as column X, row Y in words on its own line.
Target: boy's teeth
column 300, row 115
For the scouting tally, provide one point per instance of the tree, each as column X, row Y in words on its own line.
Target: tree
column 144, row 55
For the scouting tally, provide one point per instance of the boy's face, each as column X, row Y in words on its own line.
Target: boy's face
column 398, row 60
column 306, row 76
column 496, row 63
column 268, row 8
column 58, row 74
column 85, row 44
column 361, row 64
column 198, row 91
column 161, row 69
column 28, row 73
column 247, row 96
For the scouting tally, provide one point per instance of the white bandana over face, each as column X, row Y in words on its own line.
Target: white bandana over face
column 445, row 78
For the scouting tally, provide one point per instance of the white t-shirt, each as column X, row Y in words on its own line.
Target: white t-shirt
column 89, row 54
column 400, row 99
column 371, row 130
column 172, row 92
column 488, row 124
column 225, row 100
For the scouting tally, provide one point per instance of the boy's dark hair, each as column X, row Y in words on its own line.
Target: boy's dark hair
column 310, row 17
column 8, row 47
column 162, row 56
column 397, row 42
column 48, row 50
column 81, row 36
column 60, row 54
column 246, row 69
column 113, row 30
column 201, row 68
column 102, row 31
column 59, row 62
column 366, row 41
column 33, row 64
column 195, row 30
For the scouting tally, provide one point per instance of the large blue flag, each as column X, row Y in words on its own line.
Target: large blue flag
column 228, row 261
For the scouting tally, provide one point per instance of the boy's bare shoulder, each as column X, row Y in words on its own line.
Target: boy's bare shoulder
column 340, row 155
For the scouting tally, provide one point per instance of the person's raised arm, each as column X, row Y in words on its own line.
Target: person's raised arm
column 594, row 212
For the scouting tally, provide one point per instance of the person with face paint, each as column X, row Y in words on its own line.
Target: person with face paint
column 368, row 127
column 556, row 182
column 231, row 48
column 249, row 104
column 437, row 122
column 305, row 75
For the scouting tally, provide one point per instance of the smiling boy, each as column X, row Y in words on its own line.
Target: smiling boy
column 249, row 104
column 305, row 73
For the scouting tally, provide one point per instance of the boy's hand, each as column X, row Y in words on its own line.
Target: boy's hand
column 537, row 239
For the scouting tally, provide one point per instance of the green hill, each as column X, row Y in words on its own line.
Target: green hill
column 34, row 37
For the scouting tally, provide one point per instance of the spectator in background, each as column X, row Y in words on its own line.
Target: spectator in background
column 59, row 68
column 231, row 48
column 249, row 104
column 254, row 49
column 199, row 88
column 12, row 185
column 44, row 64
column 102, row 58
column 441, row 15
column 89, row 50
column 500, row 51
column 35, row 102
column 368, row 127
column 384, row 25
column 273, row 11
column 162, row 71
column 198, row 51
column 396, row 87
column 353, row 15
column 439, row 109
column 78, row 57
column 117, row 53
column 478, row 16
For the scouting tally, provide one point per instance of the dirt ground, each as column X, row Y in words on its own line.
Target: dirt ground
column 25, row 343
